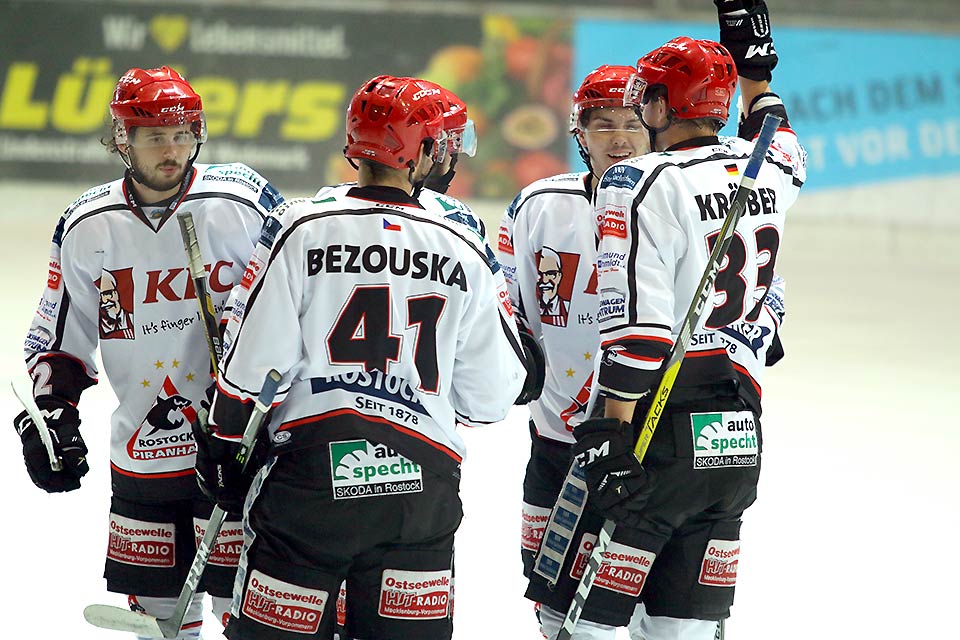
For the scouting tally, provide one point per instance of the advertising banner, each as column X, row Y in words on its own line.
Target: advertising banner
column 275, row 84
column 869, row 107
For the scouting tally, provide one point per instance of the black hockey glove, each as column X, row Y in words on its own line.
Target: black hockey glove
column 63, row 423
column 745, row 32
column 219, row 474
column 536, row 369
column 618, row 485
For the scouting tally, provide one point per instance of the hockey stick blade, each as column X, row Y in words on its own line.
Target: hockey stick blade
column 25, row 396
column 120, row 619
column 108, row 616
column 675, row 359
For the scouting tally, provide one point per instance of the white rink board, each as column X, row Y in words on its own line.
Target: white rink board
column 853, row 535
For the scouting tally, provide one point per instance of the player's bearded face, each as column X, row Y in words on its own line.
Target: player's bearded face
column 613, row 134
column 160, row 155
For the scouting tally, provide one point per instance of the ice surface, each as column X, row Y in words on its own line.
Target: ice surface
column 854, row 534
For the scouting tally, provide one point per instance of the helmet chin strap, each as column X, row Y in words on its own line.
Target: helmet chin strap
column 418, row 185
column 440, row 184
column 653, row 131
column 586, row 158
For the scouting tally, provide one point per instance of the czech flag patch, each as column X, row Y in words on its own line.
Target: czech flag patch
column 389, row 226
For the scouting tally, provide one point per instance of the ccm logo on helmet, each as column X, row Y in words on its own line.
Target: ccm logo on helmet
column 177, row 108
column 425, row 92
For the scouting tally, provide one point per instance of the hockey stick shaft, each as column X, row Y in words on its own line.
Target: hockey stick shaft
column 675, row 359
column 25, row 396
column 199, row 277
column 120, row 619
column 705, row 288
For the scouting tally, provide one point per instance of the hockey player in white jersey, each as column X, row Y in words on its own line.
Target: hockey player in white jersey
column 118, row 281
column 678, row 515
column 547, row 245
column 384, row 320
column 461, row 138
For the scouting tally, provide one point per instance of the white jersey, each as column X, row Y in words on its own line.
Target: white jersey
column 384, row 321
column 548, row 249
column 661, row 214
column 444, row 206
column 118, row 280
column 557, row 213
column 453, row 210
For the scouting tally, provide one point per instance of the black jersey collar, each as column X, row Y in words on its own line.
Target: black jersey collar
column 378, row 193
column 693, row 143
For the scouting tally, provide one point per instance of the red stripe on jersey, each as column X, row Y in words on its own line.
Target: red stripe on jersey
column 779, row 129
column 339, row 412
column 743, row 370
column 636, row 336
column 152, row 476
column 705, row 354
column 773, row 316
column 220, row 389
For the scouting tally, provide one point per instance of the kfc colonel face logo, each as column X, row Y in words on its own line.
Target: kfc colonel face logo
column 116, row 304
column 556, row 272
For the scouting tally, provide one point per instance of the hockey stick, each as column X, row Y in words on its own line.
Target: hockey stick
column 199, row 276
column 25, row 396
column 120, row 619
column 672, row 367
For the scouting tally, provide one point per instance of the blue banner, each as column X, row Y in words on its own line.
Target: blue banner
column 868, row 106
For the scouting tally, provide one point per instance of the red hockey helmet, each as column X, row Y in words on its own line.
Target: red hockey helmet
column 603, row 87
column 389, row 118
column 155, row 98
column 699, row 75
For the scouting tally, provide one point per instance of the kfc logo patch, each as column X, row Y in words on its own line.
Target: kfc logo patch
column 116, row 304
column 556, row 271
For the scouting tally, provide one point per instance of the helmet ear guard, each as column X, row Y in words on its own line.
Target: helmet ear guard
column 437, row 149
